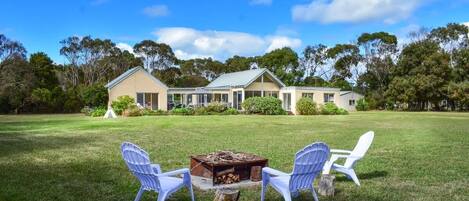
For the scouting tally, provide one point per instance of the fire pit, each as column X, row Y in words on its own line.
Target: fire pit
column 227, row 167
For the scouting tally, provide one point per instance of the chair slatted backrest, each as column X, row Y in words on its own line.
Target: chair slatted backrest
column 139, row 164
column 309, row 162
column 360, row 149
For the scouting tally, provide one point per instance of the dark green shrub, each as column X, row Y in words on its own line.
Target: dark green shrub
column 132, row 111
column 98, row 112
column 342, row 111
column 231, row 111
column 182, row 111
column 122, row 103
column 216, row 107
column 87, row 111
column 95, row 95
column 362, row 105
column 148, row 112
column 263, row 105
column 306, row 106
column 201, row 111
column 332, row 109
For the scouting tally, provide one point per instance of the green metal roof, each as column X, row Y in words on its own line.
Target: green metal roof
column 242, row 78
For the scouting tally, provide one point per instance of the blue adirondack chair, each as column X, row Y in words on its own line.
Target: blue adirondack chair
column 309, row 162
column 150, row 176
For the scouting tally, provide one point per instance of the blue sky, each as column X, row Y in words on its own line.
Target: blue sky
column 219, row 29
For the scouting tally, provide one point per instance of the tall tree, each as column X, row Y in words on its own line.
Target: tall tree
column 284, row 64
column 424, row 69
column 169, row 76
column 206, row 68
column 155, row 55
column 238, row 63
column 44, row 70
column 16, row 83
column 314, row 57
column 10, row 49
column 345, row 57
column 380, row 53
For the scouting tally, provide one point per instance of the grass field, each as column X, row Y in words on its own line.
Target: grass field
column 415, row 156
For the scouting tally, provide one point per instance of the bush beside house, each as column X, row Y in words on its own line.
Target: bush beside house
column 362, row 105
column 332, row 109
column 306, row 106
column 263, row 105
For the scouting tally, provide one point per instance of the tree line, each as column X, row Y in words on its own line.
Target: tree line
column 430, row 71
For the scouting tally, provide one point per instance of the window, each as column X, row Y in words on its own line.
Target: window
column 287, row 101
column 148, row 100
column 351, row 102
column 271, row 93
column 307, row 95
column 224, row 98
column 328, row 98
column 189, row 99
column 248, row 94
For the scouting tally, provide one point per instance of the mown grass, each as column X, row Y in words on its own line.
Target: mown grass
column 415, row 156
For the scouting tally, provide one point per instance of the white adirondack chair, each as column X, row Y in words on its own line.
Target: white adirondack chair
column 351, row 157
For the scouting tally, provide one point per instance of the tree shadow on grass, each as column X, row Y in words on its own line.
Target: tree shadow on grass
column 14, row 144
column 365, row 176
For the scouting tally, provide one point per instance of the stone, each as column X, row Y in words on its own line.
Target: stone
column 326, row 185
column 226, row 195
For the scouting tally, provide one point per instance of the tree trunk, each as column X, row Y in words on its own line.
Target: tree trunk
column 226, row 195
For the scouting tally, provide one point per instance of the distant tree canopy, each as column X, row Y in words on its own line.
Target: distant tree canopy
column 429, row 72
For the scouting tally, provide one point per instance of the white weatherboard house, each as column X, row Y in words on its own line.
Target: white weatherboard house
column 230, row 88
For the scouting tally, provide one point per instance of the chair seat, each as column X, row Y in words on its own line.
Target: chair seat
column 170, row 183
column 281, row 183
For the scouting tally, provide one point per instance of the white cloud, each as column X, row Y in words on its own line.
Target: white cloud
column 260, row 2
column 466, row 23
column 156, row 10
column 330, row 11
column 277, row 42
column 192, row 43
column 125, row 46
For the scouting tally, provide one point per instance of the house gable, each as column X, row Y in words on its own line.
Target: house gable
column 132, row 72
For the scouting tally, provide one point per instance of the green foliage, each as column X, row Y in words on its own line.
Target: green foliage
column 459, row 92
column 44, row 70
column 306, row 106
column 283, row 63
column 216, row 107
column 231, row 111
column 201, row 111
column 122, row 103
column 421, row 75
column 73, row 102
column 87, row 111
column 155, row 55
column 362, row 105
column 263, row 105
column 99, row 112
column 182, row 111
column 148, row 112
column 95, row 95
column 132, row 111
column 332, row 109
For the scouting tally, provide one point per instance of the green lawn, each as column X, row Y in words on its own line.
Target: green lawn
column 415, row 156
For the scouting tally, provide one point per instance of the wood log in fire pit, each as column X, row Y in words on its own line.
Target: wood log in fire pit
column 227, row 167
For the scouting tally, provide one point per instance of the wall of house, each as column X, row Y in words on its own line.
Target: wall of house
column 259, row 86
column 344, row 101
column 318, row 96
column 139, row 82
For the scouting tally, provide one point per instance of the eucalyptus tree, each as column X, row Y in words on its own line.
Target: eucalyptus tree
column 379, row 52
column 155, row 55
